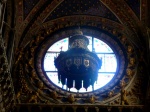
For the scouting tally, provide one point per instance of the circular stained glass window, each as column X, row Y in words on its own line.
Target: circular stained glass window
column 103, row 51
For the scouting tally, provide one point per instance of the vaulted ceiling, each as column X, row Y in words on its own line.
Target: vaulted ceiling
column 32, row 15
column 26, row 20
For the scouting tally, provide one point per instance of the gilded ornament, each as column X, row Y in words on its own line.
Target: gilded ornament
column 110, row 94
column 71, row 98
column 54, row 95
column 20, row 54
column 92, row 99
column 122, row 84
column 130, row 49
column 31, row 62
column 129, row 73
column 34, row 98
column 124, row 100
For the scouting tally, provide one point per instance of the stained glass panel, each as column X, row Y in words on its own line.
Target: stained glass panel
column 106, row 73
column 101, row 47
column 60, row 45
column 109, row 63
column 49, row 62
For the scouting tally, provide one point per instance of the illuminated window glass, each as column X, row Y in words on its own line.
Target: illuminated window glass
column 106, row 73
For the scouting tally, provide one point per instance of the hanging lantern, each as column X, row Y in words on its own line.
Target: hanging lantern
column 78, row 66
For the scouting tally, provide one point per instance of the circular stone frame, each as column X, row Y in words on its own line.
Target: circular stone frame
column 114, row 42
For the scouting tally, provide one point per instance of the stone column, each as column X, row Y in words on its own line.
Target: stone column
column 7, row 96
column 2, row 12
column 147, row 102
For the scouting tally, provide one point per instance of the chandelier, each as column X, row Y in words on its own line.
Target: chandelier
column 78, row 67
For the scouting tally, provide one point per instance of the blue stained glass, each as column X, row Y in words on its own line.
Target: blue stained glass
column 54, row 76
column 109, row 63
column 60, row 45
column 102, row 47
column 49, row 62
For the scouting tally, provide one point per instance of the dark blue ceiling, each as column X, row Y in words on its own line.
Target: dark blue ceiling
column 28, row 5
column 82, row 7
column 78, row 7
column 135, row 6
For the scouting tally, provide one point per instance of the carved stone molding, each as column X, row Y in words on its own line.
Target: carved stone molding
column 7, row 97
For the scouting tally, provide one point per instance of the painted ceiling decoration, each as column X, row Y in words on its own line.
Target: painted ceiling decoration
column 49, row 12
column 75, row 7
column 28, row 5
column 135, row 6
column 40, row 23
